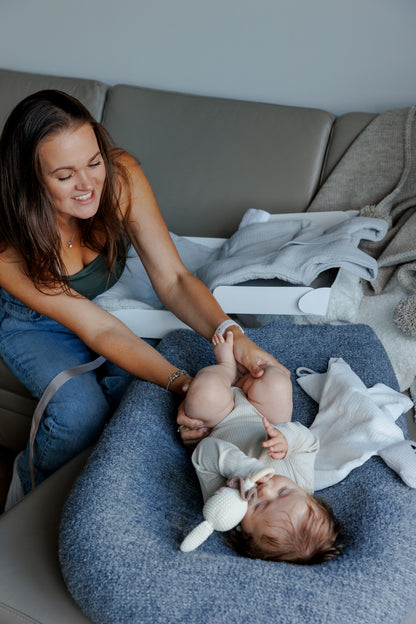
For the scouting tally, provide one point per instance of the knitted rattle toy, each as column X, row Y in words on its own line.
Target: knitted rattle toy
column 224, row 509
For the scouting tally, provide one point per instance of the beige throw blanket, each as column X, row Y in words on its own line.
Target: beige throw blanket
column 377, row 176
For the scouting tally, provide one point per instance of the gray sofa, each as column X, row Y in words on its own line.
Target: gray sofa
column 208, row 160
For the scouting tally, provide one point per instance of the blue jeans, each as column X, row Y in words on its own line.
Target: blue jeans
column 36, row 348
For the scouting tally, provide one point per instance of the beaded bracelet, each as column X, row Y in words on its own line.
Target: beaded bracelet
column 175, row 375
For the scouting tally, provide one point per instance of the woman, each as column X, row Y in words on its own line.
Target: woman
column 70, row 206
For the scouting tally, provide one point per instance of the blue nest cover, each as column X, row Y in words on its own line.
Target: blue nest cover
column 138, row 497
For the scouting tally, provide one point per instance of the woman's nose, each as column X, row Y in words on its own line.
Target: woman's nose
column 83, row 180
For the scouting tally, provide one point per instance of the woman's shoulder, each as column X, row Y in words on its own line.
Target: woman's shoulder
column 123, row 159
column 127, row 171
column 133, row 187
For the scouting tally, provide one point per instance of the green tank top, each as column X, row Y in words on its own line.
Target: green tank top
column 94, row 278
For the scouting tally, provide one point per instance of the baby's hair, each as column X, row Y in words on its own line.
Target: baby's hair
column 312, row 540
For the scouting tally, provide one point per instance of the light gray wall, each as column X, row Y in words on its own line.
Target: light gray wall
column 340, row 55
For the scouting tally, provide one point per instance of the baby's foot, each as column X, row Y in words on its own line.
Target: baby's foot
column 224, row 349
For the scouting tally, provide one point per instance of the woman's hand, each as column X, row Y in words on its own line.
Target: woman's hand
column 191, row 431
column 181, row 384
column 250, row 357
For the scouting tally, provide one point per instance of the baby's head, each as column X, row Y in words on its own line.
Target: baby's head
column 285, row 523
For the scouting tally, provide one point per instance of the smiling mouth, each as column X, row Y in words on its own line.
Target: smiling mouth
column 84, row 197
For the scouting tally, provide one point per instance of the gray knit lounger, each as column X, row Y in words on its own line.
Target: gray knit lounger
column 138, row 497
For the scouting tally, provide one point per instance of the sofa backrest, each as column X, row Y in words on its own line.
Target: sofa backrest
column 209, row 159
column 14, row 86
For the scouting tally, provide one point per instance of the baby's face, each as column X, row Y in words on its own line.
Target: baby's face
column 279, row 495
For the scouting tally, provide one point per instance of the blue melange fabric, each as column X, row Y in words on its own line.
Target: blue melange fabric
column 138, row 496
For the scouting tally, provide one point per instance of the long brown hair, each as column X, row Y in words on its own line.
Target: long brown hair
column 27, row 216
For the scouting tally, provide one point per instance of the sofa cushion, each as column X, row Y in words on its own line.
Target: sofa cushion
column 345, row 130
column 32, row 590
column 218, row 157
column 138, row 497
column 14, row 86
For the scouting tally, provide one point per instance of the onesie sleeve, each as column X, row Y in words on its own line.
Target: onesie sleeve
column 216, row 460
column 299, row 438
column 303, row 447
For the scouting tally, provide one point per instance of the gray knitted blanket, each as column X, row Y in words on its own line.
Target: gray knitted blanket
column 377, row 175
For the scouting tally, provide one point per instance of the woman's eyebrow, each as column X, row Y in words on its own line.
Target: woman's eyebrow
column 95, row 156
column 71, row 167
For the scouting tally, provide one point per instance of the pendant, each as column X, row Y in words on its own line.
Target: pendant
column 70, row 245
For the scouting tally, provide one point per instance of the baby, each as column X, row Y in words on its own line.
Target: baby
column 251, row 430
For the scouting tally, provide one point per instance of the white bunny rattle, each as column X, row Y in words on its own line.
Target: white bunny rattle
column 224, row 509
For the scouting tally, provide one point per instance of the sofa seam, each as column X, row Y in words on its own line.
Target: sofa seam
column 19, row 614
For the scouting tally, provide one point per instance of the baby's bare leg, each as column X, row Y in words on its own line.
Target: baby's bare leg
column 271, row 394
column 224, row 355
column 209, row 397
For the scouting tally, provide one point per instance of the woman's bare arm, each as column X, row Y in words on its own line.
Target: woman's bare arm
column 102, row 332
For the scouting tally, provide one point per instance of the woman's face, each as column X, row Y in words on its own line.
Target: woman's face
column 73, row 172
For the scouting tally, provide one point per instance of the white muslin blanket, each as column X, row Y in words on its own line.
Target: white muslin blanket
column 353, row 422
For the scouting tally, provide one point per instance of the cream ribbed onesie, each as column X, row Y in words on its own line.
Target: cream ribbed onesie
column 234, row 448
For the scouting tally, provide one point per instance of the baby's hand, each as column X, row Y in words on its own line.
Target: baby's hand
column 277, row 443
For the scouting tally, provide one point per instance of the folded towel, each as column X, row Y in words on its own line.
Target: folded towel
column 254, row 215
column 293, row 251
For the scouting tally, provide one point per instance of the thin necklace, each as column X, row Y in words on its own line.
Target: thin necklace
column 69, row 242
